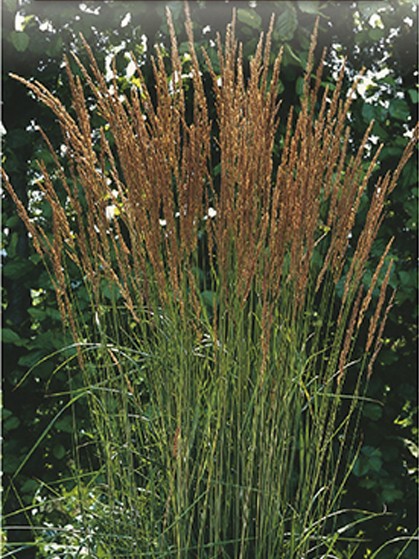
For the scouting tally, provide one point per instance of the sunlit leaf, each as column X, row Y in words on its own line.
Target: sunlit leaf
column 20, row 40
column 250, row 18
column 286, row 24
column 309, row 7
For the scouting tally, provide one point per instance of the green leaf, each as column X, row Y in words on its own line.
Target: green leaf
column 208, row 298
column 11, row 423
column 48, row 341
column 287, row 24
column 18, row 138
column 20, row 40
column 58, row 47
column 54, row 314
column 11, row 5
column 37, row 314
column 111, row 292
column 376, row 34
column 367, row 9
column 309, row 7
column 408, row 279
column 8, row 336
column 369, row 460
column 11, row 463
column 390, row 494
column 399, row 109
column 12, row 221
column 373, row 457
column 29, row 486
column 362, row 37
column 390, row 152
column 249, row 17
column 360, row 468
column 198, row 273
column 373, row 112
column 65, row 424
column 372, row 411
column 6, row 413
column 31, row 358
column 58, row 451
column 290, row 60
column 409, row 177
column 414, row 95
column 299, row 86
column 380, row 132
column 17, row 269
column 375, row 463
column 368, row 483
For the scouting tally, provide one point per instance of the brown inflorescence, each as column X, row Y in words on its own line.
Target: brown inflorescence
column 270, row 217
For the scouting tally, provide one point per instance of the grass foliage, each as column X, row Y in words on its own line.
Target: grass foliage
column 231, row 332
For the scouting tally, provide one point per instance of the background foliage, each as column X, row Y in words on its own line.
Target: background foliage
column 38, row 413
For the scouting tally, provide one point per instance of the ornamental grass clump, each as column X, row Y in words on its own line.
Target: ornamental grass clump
column 230, row 332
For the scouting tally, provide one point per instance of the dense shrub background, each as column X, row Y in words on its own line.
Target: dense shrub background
column 37, row 419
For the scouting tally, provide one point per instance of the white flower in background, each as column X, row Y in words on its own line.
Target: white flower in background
column 369, row 81
column 110, row 212
column 376, row 22
column 126, row 19
column 210, row 214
